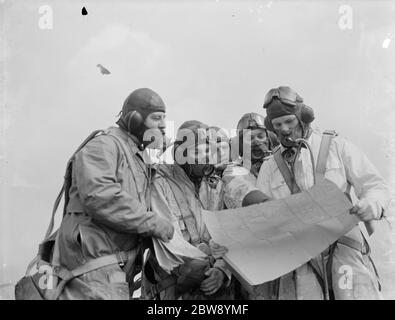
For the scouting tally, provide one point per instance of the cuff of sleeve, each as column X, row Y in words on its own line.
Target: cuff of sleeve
column 148, row 226
column 381, row 214
column 378, row 210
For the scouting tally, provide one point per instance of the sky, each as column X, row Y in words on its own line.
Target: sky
column 211, row 61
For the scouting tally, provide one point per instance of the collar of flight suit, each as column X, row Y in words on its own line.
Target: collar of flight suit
column 128, row 139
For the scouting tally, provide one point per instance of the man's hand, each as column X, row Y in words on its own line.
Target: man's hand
column 365, row 210
column 215, row 279
column 163, row 229
column 217, row 251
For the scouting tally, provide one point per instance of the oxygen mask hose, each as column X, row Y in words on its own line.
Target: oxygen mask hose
column 302, row 142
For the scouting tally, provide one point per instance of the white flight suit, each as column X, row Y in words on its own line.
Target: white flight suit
column 345, row 164
column 238, row 181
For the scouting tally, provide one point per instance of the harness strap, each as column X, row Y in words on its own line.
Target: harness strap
column 326, row 140
column 120, row 258
column 317, row 271
column 375, row 271
column 354, row 244
column 156, row 287
column 371, row 261
column 327, row 137
column 65, row 186
column 328, row 266
column 63, row 191
column 285, row 171
column 133, row 267
column 344, row 240
column 293, row 187
column 320, row 169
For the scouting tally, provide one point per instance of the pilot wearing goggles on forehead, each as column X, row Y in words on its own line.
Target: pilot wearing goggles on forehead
column 347, row 167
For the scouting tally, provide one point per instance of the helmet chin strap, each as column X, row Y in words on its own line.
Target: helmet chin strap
column 137, row 141
column 307, row 132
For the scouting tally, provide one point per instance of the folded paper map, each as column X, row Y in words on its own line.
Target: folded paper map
column 172, row 254
column 268, row 240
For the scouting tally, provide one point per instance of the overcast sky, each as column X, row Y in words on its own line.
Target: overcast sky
column 209, row 60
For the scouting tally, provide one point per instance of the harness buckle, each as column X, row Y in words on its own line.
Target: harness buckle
column 121, row 261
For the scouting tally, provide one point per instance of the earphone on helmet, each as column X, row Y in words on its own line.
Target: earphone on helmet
column 134, row 121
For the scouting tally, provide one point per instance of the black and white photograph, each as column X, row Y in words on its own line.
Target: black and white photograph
column 215, row 151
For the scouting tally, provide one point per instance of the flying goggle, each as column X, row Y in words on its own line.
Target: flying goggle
column 254, row 123
column 285, row 94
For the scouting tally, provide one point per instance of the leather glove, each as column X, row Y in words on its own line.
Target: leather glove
column 213, row 282
column 366, row 210
column 163, row 229
column 254, row 197
column 190, row 275
column 217, row 251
